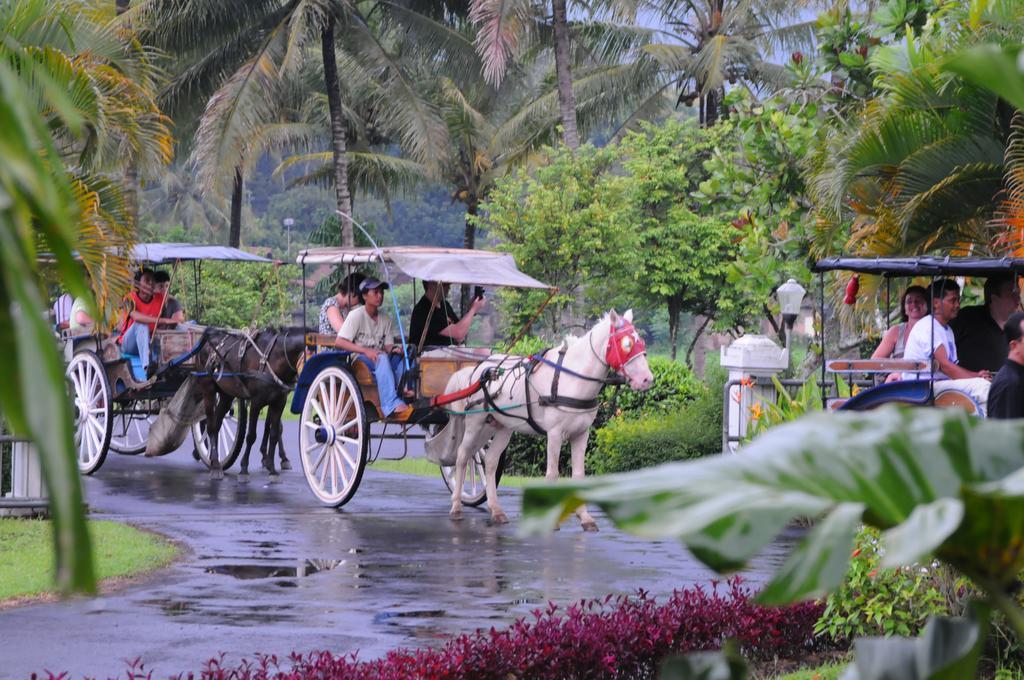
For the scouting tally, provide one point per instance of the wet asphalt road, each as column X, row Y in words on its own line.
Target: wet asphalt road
column 268, row 571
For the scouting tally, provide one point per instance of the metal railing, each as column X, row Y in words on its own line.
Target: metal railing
column 828, row 388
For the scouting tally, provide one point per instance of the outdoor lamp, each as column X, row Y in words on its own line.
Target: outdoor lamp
column 790, row 295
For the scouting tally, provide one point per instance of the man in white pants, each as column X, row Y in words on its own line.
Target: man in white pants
column 932, row 337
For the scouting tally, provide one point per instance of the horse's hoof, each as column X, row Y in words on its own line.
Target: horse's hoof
column 274, row 477
column 216, row 475
column 500, row 518
column 589, row 526
column 243, row 477
column 286, row 464
column 455, row 516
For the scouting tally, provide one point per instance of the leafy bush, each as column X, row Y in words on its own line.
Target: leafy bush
column 692, row 432
column 617, row 637
column 874, row 601
column 674, row 388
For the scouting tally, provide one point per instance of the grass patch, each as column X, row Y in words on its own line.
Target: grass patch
column 828, row 671
column 27, row 558
column 424, row 468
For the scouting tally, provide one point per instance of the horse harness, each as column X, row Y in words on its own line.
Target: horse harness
column 244, row 340
column 624, row 345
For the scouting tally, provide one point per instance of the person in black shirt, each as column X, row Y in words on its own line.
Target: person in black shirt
column 1006, row 396
column 978, row 329
column 446, row 328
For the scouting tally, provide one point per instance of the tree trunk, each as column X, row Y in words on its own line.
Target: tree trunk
column 673, row 325
column 693, row 343
column 468, row 242
column 338, row 142
column 709, row 108
column 235, row 230
column 566, row 98
column 131, row 178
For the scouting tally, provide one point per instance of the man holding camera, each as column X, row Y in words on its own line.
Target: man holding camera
column 445, row 327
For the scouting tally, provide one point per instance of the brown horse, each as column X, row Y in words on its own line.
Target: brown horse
column 260, row 369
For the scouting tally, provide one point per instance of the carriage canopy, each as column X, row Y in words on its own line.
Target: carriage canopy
column 165, row 253
column 450, row 265
column 926, row 265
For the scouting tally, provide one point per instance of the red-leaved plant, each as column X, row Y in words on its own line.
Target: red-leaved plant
column 617, row 637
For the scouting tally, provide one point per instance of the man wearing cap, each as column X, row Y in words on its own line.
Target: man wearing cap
column 1006, row 398
column 368, row 332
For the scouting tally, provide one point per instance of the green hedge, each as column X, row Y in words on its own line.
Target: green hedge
column 674, row 388
column 693, row 431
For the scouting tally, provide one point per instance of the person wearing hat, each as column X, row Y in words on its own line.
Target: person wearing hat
column 368, row 332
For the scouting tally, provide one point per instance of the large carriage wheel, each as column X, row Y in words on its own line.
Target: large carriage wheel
column 130, row 432
column 333, row 436
column 93, row 409
column 474, row 490
column 229, row 440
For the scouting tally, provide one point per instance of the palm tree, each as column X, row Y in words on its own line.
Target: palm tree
column 921, row 168
column 244, row 50
column 707, row 43
column 504, row 24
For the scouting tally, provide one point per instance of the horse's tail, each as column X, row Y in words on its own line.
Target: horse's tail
column 460, row 381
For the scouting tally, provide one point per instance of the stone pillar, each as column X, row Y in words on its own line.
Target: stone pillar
column 752, row 361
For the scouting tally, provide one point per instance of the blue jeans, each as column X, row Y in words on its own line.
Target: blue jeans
column 136, row 341
column 388, row 371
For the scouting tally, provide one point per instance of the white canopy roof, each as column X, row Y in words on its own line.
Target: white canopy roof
column 162, row 253
column 451, row 265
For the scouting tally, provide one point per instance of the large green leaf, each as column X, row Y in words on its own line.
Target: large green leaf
column 938, row 481
column 35, row 202
column 994, row 68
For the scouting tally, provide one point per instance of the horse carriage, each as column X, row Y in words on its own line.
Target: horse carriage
column 915, row 392
column 115, row 402
column 337, row 399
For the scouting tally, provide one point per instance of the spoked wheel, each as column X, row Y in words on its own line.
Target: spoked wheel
column 130, row 432
column 333, row 436
column 229, row 439
column 93, row 410
column 474, row 490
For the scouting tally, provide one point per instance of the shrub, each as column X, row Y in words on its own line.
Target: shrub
column 693, row 431
column 617, row 637
column 874, row 601
column 674, row 387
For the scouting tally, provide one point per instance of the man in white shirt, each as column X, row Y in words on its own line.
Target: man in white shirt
column 932, row 337
column 62, row 311
column 368, row 332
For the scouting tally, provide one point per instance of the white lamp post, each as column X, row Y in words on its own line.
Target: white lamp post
column 288, row 222
column 790, row 296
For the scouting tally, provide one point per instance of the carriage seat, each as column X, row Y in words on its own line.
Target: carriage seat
column 911, row 392
column 135, row 362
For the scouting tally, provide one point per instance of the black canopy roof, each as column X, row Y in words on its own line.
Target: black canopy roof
column 926, row 265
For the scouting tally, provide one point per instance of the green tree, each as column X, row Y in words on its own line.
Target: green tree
column 568, row 223
column 685, row 250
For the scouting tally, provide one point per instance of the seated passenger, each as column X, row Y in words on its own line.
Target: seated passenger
column 978, row 329
column 173, row 309
column 446, row 328
column 368, row 332
column 335, row 308
column 80, row 323
column 913, row 307
column 62, row 312
column 1006, row 398
column 932, row 338
column 141, row 315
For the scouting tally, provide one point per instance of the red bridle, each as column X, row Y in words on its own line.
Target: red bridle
column 624, row 345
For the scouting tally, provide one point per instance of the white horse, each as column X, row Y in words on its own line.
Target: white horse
column 554, row 395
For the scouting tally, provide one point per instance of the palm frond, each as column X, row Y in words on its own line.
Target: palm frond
column 501, row 25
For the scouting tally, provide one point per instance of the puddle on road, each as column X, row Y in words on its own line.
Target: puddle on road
column 384, row 617
column 173, row 607
column 248, row 572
